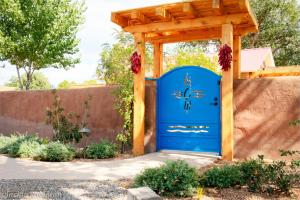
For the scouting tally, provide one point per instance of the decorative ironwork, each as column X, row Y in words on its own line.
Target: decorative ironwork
column 188, row 93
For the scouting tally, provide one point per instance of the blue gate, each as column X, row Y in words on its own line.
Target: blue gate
column 188, row 115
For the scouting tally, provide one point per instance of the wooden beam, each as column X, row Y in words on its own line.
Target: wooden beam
column 188, row 24
column 158, row 60
column 163, row 14
column 139, row 17
column 119, row 20
column 245, row 6
column 186, row 37
column 217, row 6
column 242, row 31
column 227, row 99
column 236, row 57
column 190, row 10
column 139, row 99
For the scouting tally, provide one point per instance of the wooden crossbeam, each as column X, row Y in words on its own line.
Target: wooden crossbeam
column 186, row 37
column 139, row 17
column 245, row 6
column 119, row 20
column 188, row 24
column 163, row 14
column 217, row 6
column 190, row 10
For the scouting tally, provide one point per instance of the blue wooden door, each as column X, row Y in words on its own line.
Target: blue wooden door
column 188, row 115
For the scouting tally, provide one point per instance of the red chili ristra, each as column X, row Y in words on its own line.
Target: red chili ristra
column 225, row 57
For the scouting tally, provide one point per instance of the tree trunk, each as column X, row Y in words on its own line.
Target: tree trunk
column 29, row 73
column 253, row 40
column 19, row 78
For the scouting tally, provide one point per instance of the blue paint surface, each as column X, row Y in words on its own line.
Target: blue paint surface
column 188, row 115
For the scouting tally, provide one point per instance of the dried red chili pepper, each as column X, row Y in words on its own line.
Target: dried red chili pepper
column 225, row 57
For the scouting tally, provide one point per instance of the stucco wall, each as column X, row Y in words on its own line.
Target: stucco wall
column 263, row 109
column 25, row 111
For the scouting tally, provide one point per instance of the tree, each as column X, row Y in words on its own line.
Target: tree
column 189, row 55
column 39, row 82
column 39, row 34
column 279, row 28
column 66, row 84
column 114, row 68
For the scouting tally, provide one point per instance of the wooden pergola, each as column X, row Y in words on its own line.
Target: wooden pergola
column 186, row 21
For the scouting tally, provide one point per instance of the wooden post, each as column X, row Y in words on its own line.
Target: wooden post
column 158, row 60
column 139, row 99
column 236, row 57
column 227, row 99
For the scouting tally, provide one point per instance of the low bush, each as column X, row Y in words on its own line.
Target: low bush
column 5, row 143
column 176, row 178
column 257, row 175
column 253, row 174
column 30, row 146
column 222, row 177
column 103, row 149
column 55, row 152
column 23, row 145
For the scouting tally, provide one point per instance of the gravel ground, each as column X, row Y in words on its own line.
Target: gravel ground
column 60, row 190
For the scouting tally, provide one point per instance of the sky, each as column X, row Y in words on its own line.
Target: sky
column 97, row 30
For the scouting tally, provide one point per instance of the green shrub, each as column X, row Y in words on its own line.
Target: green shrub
column 253, row 174
column 222, row 177
column 23, row 145
column 27, row 149
column 176, row 178
column 5, row 143
column 55, row 152
column 103, row 149
column 256, row 174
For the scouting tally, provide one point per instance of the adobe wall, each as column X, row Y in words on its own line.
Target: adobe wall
column 263, row 108
column 25, row 111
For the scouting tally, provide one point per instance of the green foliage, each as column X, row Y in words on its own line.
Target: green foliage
column 39, row 82
column 175, row 178
column 55, row 152
column 295, row 122
column 103, row 149
column 253, row 174
column 66, row 84
column 66, row 127
column 278, row 28
column 72, row 84
column 114, row 68
column 23, row 146
column 257, row 175
column 194, row 57
column 39, row 34
column 222, row 177
column 6, row 143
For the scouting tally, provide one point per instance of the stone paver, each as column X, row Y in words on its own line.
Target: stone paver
column 11, row 168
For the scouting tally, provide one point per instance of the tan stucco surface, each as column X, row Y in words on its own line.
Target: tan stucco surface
column 26, row 111
column 263, row 109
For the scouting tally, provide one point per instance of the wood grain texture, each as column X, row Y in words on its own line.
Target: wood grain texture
column 139, row 100
column 227, row 99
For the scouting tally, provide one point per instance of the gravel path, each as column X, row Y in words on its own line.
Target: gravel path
column 18, row 189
